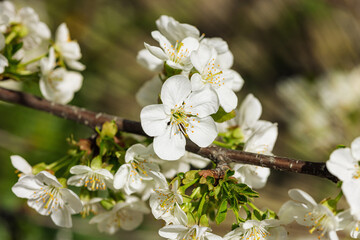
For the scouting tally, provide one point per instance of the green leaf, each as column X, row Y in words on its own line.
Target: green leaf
column 96, row 163
column 169, row 71
column 257, row 215
column 221, row 214
column 107, row 204
column 222, row 116
column 201, row 205
column 109, row 129
column 204, row 222
column 340, row 146
column 191, row 219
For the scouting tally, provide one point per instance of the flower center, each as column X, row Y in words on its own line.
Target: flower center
column 213, row 75
column 180, row 119
column 166, row 199
column 94, row 181
column 177, row 53
column 255, row 233
column 321, row 221
column 138, row 167
column 356, row 174
column 49, row 198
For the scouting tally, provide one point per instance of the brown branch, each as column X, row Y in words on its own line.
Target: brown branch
column 220, row 156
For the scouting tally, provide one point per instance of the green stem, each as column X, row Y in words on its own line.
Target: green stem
column 32, row 61
column 10, row 37
column 338, row 197
column 221, row 144
column 253, row 206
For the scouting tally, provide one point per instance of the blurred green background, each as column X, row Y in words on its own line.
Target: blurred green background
column 296, row 56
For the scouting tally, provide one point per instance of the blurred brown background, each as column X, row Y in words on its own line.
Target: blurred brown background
column 296, row 56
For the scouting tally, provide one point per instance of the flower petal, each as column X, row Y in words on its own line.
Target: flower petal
column 227, row 98
column 355, row 148
column 174, row 91
column 26, row 186
column 342, row 164
column 154, row 120
column 149, row 61
column 21, row 164
column 72, row 200
column 249, row 112
column 80, row 169
column 202, row 103
column 201, row 57
column 172, row 231
column 202, row 131
column 62, row 217
column 301, row 197
column 156, row 51
column 121, row 176
column 170, row 145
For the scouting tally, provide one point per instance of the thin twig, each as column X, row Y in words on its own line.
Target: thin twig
column 217, row 154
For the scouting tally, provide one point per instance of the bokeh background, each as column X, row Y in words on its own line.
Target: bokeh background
column 299, row 57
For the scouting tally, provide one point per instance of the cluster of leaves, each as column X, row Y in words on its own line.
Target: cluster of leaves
column 207, row 198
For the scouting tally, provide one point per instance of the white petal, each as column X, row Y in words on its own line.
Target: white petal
column 211, row 236
column 149, row 92
column 149, row 61
column 262, row 140
column 289, row 211
column 355, row 148
column 170, row 146
column 72, row 199
column 62, row 33
column 62, row 217
column 250, row 111
column 237, row 80
column 133, row 220
column 201, row 57
column 48, row 179
column 154, row 119
column 333, row 235
column 225, row 60
column 77, row 180
column 121, row 175
column 76, row 65
column 21, row 164
column 227, row 98
column 156, row 51
column 351, row 190
column 301, row 196
column 342, row 164
column 196, row 82
column 202, row 131
column 202, row 103
column 174, row 91
column 172, row 231
column 135, row 150
column 80, row 169
column 26, row 186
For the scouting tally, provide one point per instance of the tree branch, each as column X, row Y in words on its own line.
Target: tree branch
column 217, row 154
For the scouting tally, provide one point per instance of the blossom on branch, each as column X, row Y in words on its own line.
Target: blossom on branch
column 48, row 197
column 58, row 84
column 182, row 114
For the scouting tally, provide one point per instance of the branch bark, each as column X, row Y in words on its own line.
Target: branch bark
column 219, row 155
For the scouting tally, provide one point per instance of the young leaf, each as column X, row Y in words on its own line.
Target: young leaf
column 222, row 116
column 221, row 214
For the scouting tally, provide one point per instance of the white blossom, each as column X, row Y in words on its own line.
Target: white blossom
column 134, row 173
column 164, row 200
column 268, row 229
column 175, row 31
column 92, row 179
column 344, row 164
column 211, row 75
column 305, row 211
column 349, row 222
column 180, row 231
column 58, row 84
column 36, row 31
column 91, row 206
column 68, row 49
column 48, row 197
column 21, row 165
column 126, row 215
column 182, row 113
column 175, row 55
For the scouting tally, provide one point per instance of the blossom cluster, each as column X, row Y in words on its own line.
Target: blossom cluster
column 29, row 54
column 111, row 177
